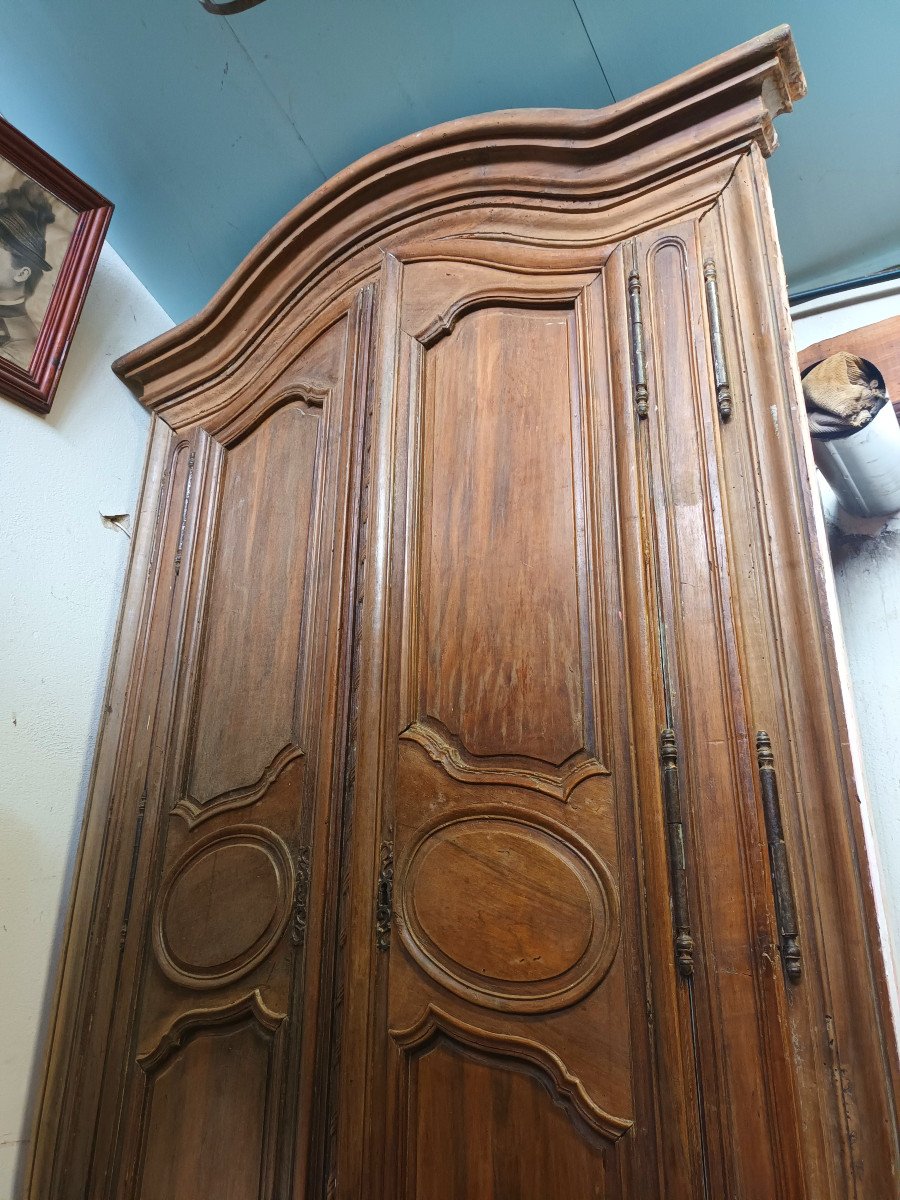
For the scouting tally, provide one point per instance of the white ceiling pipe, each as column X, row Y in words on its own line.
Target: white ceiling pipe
column 864, row 468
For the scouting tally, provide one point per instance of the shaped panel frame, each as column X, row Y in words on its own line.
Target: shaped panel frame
column 278, row 856
column 195, row 809
column 444, row 745
column 564, row 988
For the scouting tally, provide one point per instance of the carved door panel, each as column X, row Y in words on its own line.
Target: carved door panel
column 512, row 1038
column 223, row 956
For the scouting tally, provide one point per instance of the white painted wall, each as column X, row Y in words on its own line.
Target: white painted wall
column 61, row 576
column 865, row 555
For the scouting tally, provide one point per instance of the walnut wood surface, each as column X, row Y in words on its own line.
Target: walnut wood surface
column 375, row 889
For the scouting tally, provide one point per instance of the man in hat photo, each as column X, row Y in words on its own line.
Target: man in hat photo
column 25, row 213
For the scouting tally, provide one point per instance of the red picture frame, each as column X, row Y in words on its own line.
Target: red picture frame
column 36, row 386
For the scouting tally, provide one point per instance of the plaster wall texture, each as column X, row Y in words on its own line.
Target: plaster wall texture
column 61, row 576
column 865, row 557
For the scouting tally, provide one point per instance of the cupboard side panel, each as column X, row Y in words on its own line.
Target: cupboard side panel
column 846, row 1059
column 742, row 1047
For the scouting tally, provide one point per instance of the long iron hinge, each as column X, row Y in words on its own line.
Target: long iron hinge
column 717, row 341
column 684, row 941
column 384, row 897
column 785, row 909
column 638, row 356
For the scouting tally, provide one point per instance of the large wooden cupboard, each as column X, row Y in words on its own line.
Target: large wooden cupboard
column 473, row 816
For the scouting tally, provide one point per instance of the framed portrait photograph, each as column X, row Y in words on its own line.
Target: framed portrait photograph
column 52, row 227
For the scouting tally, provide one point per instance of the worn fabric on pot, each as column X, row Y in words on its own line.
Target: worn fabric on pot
column 842, row 393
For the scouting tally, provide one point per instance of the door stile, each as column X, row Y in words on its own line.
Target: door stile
column 302, row 1133
column 742, row 1052
column 191, row 475
column 358, row 1152
column 662, row 550
column 679, row 1131
column 197, row 518
column 753, row 641
column 348, row 586
column 676, row 963
column 406, row 390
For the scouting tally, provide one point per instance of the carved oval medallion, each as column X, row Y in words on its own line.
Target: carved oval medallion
column 223, row 906
column 509, row 910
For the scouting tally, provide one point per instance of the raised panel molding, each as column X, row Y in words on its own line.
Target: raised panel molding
column 194, row 811
column 260, row 554
column 312, row 396
column 191, row 1144
column 507, row 297
column 256, row 886
column 565, row 1088
column 447, row 750
column 251, row 1007
column 477, row 517
column 528, row 903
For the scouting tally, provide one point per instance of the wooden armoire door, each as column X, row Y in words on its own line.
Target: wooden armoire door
column 473, row 815
column 509, row 704
column 204, row 1072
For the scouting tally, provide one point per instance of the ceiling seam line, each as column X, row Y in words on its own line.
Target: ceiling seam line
column 594, row 49
column 302, row 140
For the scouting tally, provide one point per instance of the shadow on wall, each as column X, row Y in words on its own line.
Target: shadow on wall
column 874, row 552
column 32, row 865
column 26, row 867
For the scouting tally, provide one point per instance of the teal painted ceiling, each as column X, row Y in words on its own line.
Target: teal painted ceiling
column 204, row 130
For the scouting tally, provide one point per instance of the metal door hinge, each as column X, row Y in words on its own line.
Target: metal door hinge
column 384, row 897
column 684, row 941
column 785, row 909
column 720, row 366
column 638, row 356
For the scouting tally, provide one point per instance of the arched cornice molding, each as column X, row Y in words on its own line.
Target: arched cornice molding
column 572, row 157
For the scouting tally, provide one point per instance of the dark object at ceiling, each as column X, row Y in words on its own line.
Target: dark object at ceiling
column 230, row 7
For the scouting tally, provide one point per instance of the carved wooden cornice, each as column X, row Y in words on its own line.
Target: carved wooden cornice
column 552, row 158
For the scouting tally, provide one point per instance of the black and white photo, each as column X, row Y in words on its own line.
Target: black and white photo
column 52, row 227
column 35, row 230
